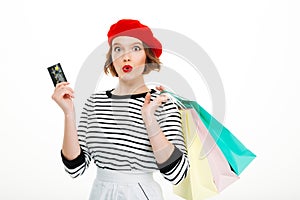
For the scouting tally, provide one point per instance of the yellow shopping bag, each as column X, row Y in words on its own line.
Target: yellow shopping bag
column 199, row 183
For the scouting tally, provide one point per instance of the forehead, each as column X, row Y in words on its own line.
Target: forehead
column 126, row 40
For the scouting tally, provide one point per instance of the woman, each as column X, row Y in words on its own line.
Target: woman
column 129, row 131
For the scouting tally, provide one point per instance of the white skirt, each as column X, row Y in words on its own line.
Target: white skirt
column 116, row 185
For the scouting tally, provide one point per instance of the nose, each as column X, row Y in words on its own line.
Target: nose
column 126, row 57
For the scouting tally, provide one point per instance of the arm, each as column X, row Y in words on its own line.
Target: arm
column 162, row 148
column 166, row 139
column 72, row 154
column 63, row 97
column 70, row 147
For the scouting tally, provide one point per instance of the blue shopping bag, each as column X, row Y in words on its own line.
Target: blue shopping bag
column 237, row 155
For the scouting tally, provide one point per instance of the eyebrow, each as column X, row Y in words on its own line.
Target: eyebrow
column 130, row 44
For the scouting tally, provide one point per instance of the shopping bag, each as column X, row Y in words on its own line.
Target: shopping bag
column 199, row 183
column 222, row 174
column 237, row 155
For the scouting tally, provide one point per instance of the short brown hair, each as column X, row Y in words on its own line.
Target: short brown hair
column 152, row 62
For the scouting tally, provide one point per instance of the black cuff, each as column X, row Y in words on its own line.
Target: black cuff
column 171, row 162
column 72, row 164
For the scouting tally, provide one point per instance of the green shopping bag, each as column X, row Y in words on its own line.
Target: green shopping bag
column 237, row 155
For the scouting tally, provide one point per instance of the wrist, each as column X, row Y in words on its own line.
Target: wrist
column 152, row 128
column 70, row 114
column 149, row 119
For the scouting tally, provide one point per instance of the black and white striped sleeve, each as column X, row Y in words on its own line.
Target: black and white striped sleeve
column 78, row 166
column 176, row 167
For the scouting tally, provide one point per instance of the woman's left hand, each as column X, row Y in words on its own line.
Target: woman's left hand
column 150, row 107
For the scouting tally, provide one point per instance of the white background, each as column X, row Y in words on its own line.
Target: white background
column 253, row 44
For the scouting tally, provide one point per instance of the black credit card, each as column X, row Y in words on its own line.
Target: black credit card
column 57, row 74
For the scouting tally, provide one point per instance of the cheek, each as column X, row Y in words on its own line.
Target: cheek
column 116, row 61
column 115, row 58
column 140, row 60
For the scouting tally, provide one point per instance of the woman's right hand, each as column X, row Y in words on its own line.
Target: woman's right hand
column 63, row 97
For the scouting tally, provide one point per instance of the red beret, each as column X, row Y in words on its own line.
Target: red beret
column 133, row 28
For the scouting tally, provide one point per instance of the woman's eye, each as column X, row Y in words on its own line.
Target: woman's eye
column 117, row 49
column 136, row 48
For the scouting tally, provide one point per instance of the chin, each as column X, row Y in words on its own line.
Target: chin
column 130, row 77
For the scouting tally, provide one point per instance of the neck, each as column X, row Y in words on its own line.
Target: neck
column 131, row 87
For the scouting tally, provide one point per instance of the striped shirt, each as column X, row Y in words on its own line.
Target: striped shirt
column 112, row 132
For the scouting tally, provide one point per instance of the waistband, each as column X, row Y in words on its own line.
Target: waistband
column 123, row 177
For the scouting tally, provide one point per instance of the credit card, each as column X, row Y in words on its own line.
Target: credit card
column 57, row 74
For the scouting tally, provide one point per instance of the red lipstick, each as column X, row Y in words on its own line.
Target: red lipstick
column 127, row 68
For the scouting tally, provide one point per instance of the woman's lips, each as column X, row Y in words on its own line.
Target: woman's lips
column 127, row 68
